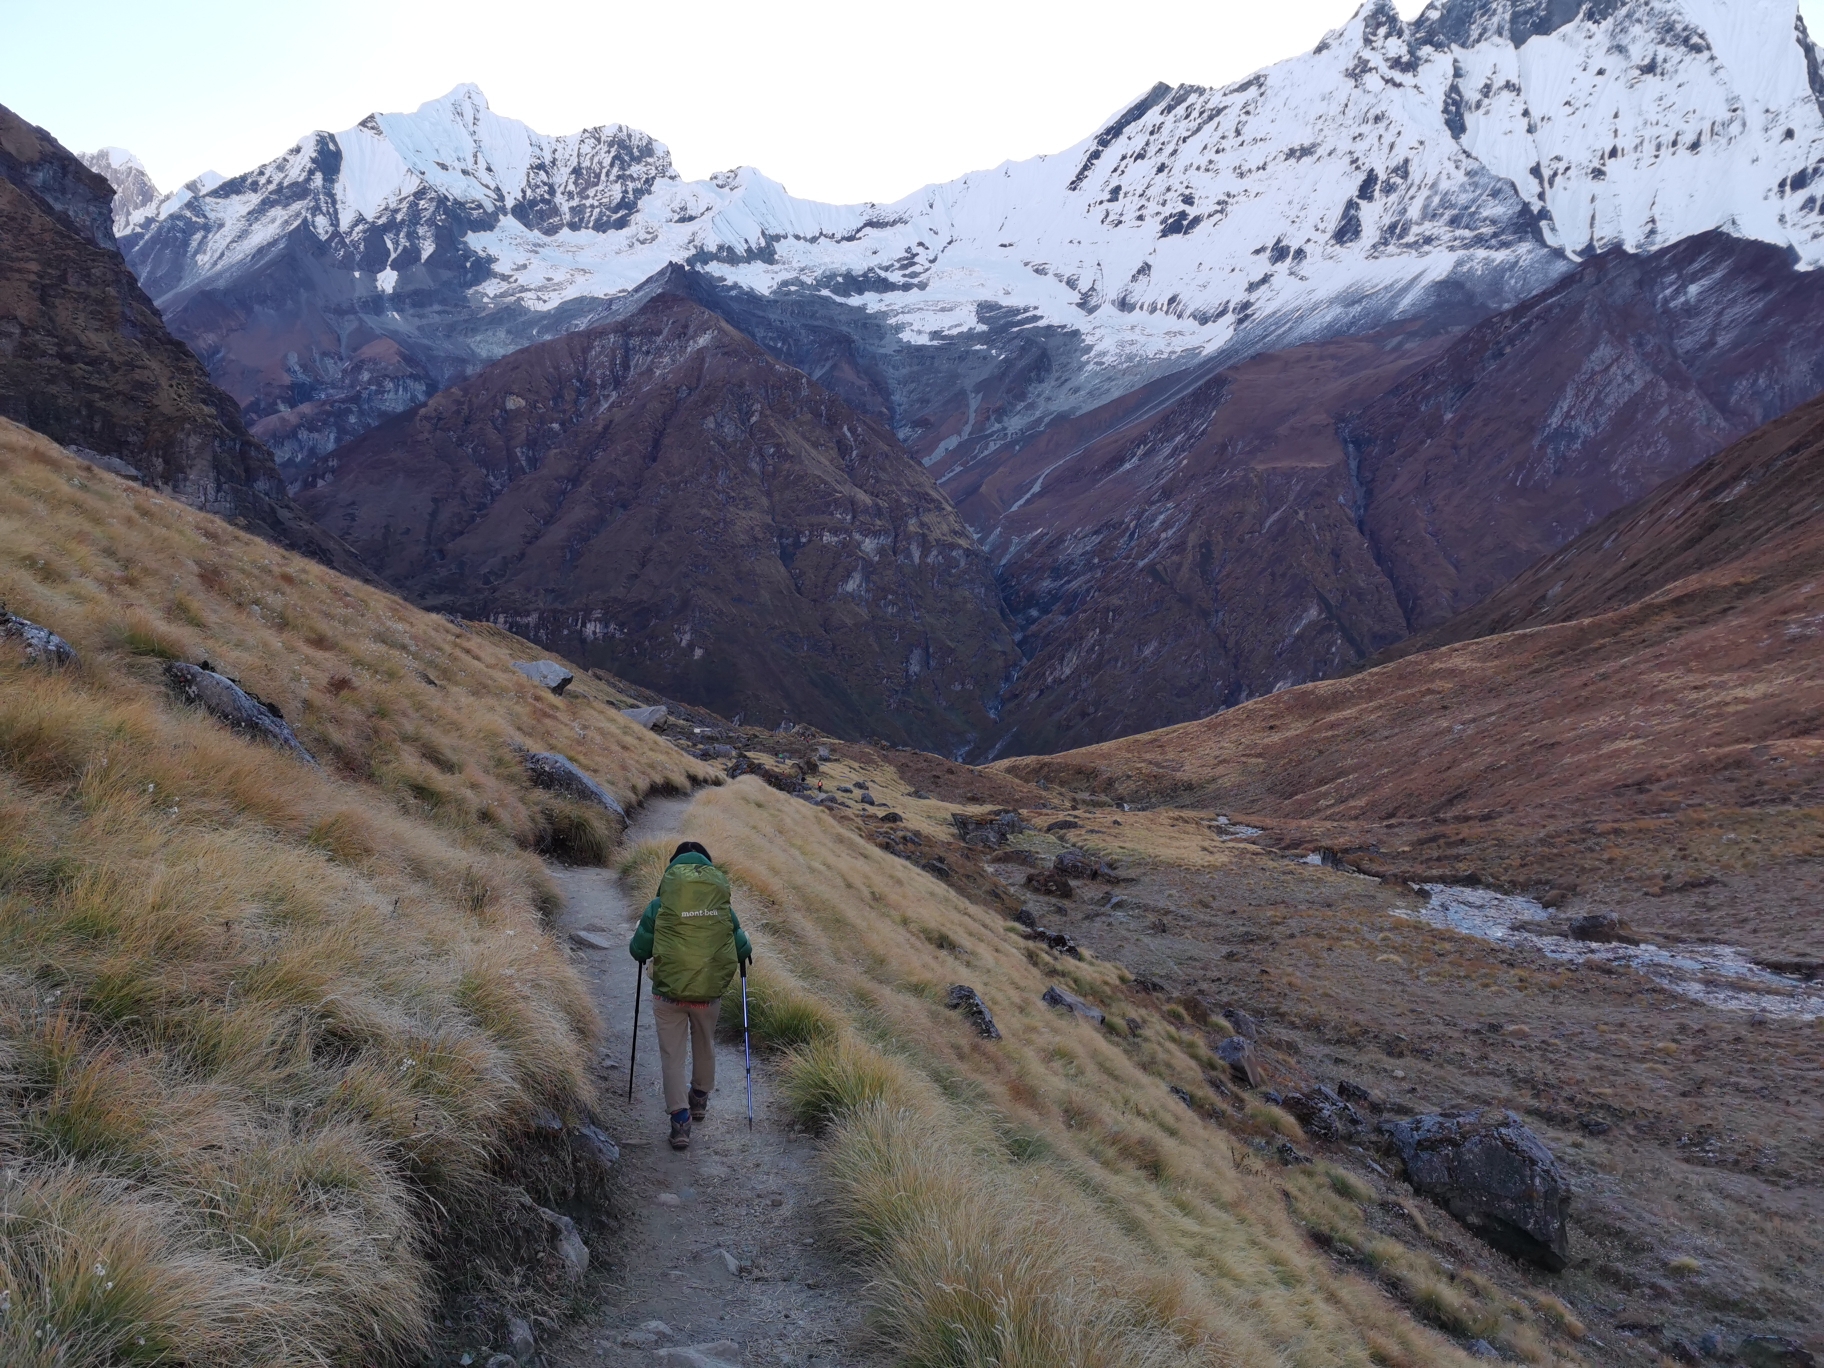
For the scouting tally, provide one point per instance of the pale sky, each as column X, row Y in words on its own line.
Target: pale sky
column 840, row 100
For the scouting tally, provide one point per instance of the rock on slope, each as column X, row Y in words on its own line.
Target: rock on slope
column 1677, row 663
column 86, row 360
column 660, row 497
column 1290, row 516
column 1453, row 164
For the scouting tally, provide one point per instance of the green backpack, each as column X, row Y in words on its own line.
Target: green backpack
column 693, row 934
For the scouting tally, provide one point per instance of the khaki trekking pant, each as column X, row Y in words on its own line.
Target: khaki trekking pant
column 678, row 1023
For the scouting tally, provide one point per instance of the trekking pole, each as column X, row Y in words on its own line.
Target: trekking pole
column 634, row 1053
column 747, row 1049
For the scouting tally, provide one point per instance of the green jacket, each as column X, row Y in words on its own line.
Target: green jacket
column 690, row 933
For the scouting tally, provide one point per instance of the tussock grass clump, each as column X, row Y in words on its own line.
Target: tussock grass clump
column 267, row 1033
column 573, row 834
column 780, row 1013
column 974, row 1268
column 829, row 1079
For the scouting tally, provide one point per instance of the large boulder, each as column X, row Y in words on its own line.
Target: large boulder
column 1055, row 996
column 1603, row 928
column 1244, row 1063
column 1075, row 864
column 546, row 672
column 548, row 770
column 989, row 831
column 1323, row 1114
column 1774, row 1351
column 41, row 643
column 228, row 702
column 969, row 1002
column 1494, row 1175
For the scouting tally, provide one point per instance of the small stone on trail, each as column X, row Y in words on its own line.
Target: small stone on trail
column 1055, row 996
column 730, row 1262
column 519, row 1340
column 593, row 940
column 502, row 1361
column 547, row 672
column 719, row 1354
column 669, row 1199
column 1482, row 1349
column 639, row 1339
column 1049, row 883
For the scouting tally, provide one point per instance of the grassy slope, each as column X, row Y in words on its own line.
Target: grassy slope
column 1628, row 706
column 265, row 1032
column 1044, row 1199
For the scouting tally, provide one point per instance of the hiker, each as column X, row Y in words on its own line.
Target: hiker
column 690, row 934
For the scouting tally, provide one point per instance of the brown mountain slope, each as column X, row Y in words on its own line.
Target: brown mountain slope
column 1210, row 540
column 659, row 497
column 1692, row 690
column 86, row 360
column 1748, row 509
column 1548, row 417
column 1202, row 552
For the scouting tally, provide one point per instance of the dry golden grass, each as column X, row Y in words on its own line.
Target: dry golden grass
column 1042, row 1199
column 264, row 1029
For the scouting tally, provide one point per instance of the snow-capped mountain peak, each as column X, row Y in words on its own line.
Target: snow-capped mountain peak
column 134, row 191
column 1454, row 163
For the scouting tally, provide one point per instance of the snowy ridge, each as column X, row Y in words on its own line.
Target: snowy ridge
column 1466, row 157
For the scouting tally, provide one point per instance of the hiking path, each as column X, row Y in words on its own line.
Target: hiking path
column 724, row 1245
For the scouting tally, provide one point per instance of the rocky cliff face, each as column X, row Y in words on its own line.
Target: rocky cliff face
column 1289, row 517
column 1193, row 554
column 1551, row 416
column 659, row 496
column 1744, row 522
column 86, row 360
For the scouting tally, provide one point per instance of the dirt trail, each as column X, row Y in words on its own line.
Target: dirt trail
column 723, row 1243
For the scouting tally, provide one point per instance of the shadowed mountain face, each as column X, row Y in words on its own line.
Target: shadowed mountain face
column 1673, row 666
column 85, row 358
column 660, row 497
column 1548, row 417
column 1206, row 541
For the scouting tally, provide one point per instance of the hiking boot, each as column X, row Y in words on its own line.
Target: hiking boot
column 699, row 1103
column 680, row 1130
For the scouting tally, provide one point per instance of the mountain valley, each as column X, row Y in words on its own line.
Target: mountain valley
column 1257, row 681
